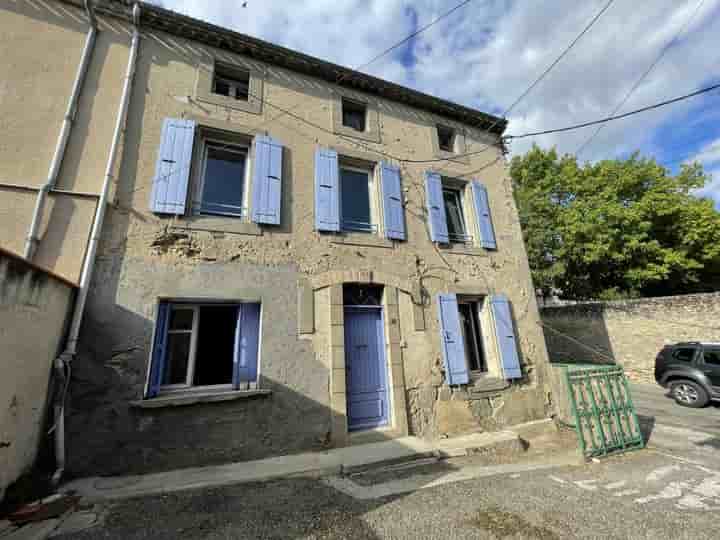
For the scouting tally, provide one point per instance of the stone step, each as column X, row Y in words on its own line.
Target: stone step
column 496, row 442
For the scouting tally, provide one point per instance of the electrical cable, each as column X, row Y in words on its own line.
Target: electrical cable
column 637, row 84
column 616, row 117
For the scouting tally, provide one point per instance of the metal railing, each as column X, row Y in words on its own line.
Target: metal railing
column 358, row 226
column 219, row 209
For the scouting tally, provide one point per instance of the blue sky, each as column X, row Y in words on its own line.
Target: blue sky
column 487, row 53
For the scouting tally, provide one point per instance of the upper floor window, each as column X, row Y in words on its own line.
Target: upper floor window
column 455, row 216
column 353, row 115
column 223, row 174
column 446, row 138
column 232, row 83
column 357, row 201
column 221, row 189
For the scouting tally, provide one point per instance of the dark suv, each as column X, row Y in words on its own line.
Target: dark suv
column 691, row 371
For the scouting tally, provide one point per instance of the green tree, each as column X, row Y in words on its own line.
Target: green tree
column 616, row 228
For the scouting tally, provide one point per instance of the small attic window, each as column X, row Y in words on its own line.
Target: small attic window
column 231, row 82
column 353, row 115
column 446, row 138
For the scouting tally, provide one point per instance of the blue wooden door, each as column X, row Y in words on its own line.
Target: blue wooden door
column 365, row 370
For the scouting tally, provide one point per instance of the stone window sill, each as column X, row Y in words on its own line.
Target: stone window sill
column 371, row 135
column 219, row 224
column 361, row 239
column 462, row 249
column 191, row 398
column 482, row 384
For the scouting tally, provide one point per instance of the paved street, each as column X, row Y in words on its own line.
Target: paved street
column 670, row 490
column 652, row 402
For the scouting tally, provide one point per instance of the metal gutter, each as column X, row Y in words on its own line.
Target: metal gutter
column 32, row 240
column 64, row 361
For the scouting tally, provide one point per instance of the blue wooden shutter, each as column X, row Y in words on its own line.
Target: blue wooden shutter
column 393, row 212
column 486, row 233
column 436, row 208
column 157, row 361
column 327, row 190
column 247, row 338
column 172, row 170
column 505, row 335
column 451, row 339
column 267, row 181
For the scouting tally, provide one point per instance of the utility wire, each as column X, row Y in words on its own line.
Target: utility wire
column 647, row 72
column 557, row 60
column 532, row 85
column 408, row 38
column 615, row 117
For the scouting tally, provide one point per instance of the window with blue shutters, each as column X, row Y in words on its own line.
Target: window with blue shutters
column 437, row 219
column 477, row 338
column 214, row 346
column 354, row 196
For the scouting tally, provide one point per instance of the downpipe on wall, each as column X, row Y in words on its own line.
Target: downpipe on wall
column 32, row 240
column 64, row 361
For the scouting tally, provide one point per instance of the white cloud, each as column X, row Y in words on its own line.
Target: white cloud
column 708, row 155
column 487, row 53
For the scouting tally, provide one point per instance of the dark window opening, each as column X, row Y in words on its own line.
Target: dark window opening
column 684, row 354
column 215, row 345
column 231, row 82
column 472, row 335
column 353, row 115
column 454, row 214
column 355, row 200
column 358, row 294
column 223, row 180
column 712, row 357
column 446, row 138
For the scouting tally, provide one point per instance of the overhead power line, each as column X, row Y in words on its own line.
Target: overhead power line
column 531, row 87
column 409, row 37
column 557, row 60
column 616, row 117
column 647, row 72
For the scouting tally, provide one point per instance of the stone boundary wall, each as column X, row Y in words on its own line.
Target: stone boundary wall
column 34, row 309
column 629, row 332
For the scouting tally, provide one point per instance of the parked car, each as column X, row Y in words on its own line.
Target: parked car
column 691, row 371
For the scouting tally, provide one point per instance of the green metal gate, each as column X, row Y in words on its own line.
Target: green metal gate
column 605, row 418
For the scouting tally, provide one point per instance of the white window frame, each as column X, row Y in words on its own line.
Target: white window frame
column 188, row 385
column 450, row 185
column 373, row 194
column 475, row 304
column 239, row 148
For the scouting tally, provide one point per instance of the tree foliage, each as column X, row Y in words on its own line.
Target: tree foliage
column 616, row 228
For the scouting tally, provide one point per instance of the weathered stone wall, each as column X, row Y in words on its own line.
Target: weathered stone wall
column 34, row 306
column 629, row 332
column 143, row 257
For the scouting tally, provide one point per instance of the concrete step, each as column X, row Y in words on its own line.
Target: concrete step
column 505, row 442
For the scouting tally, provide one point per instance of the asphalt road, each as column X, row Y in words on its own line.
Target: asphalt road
column 670, row 490
column 642, row 495
column 653, row 404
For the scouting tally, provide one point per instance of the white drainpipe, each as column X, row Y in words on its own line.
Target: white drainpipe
column 32, row 240
column 63, row 362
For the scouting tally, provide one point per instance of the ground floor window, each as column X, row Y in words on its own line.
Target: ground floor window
column 201, row 346
column 472, row 334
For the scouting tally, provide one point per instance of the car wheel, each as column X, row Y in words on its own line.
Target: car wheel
column 689, row 394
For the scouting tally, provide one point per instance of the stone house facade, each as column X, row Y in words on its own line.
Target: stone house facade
column 294, row 256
